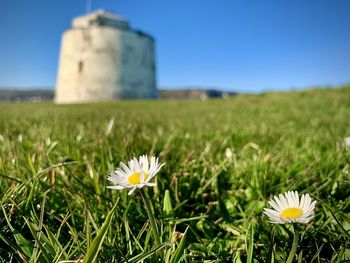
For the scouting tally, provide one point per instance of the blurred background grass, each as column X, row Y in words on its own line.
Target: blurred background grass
column 224, row 159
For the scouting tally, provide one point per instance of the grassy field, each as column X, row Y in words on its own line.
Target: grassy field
column 224, row 158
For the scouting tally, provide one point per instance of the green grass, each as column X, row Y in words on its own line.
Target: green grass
column 54, row 160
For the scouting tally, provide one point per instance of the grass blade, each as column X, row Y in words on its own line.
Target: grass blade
column 147, row 254
column 24, row 245
column 180, row 249
column 250, row 244
column 96, row 244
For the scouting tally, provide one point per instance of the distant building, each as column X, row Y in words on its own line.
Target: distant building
column 193, row 93
column 102, row 58
column 30, row 95
column 36, row 95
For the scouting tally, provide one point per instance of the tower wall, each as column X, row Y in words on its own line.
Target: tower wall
column 103, row 63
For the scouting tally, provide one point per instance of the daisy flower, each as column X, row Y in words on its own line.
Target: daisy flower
column 136, row 174
column 288, row 208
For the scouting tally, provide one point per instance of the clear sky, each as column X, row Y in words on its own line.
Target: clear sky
column 235, row 45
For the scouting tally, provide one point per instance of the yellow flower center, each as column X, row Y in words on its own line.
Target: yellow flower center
column 136, row 177
column 291, row 213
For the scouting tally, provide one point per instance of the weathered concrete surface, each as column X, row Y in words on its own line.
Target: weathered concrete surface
column 101, row 60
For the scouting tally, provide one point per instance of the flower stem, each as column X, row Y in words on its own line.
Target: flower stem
column 295, row 243
column 150, row 217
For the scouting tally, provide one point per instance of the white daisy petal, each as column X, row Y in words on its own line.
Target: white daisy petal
column 284, row 200
column 144, row 161
column 137, row 167
column 307, row 202
column 270, row 212
column 289, row 208
column 132, row 190
column 302, row 201
column 289, row 199
column 153, row 172
column 150, row 177
column 279, row 203
column 295, row 198
column 117, row 187
column 310, row 209
column 274, row 205
column 131, row 166
column 153, row 162
column 292, row 199
column 114, row 179
column 150, row 184
column 126, row 168
column 120, row 173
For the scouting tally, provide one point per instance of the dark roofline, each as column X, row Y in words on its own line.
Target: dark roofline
column 143, row 34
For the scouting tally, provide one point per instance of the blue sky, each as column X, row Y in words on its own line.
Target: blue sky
column 234, row 45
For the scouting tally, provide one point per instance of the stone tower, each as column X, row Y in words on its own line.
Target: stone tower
column 102, row 58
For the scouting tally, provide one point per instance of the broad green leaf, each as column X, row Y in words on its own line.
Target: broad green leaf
column 167, row 206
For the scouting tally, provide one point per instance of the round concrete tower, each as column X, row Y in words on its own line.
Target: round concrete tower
column 103, row 59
